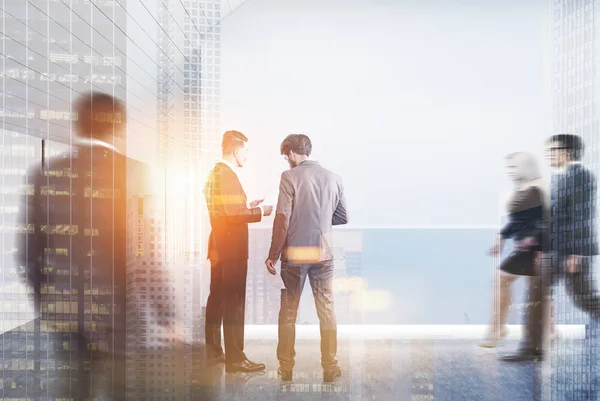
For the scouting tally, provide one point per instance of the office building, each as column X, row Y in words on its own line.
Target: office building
column 575, row 52
column 263, row 291
column 575, row 90
column 47, row 62
column 348, row 274
column 152, row 301
column 189, row 134
column 51, row 53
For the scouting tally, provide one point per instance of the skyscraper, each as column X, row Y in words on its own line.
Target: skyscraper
column 263, row 291
column 575, row 83
column 188, row 62
column 52, row 52
column 151, row 293
column 575, row 97
column 188, row 115
column 349, row 275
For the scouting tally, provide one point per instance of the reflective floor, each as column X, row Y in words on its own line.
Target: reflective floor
column 437, row 370
column 415, row 370
column 386, row 370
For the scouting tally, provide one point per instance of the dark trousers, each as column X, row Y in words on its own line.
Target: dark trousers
column 320, row 277
column 226, row 306
column 581, row 287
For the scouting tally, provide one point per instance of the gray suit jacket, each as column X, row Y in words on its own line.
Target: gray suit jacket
column 311, row 201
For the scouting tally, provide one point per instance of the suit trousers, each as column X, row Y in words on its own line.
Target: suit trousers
column 580, row 286
column 226, row 306
column 320, row 277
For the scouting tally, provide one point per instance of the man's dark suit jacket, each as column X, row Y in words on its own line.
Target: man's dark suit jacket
column 573, row 215
column 72, row 251
column 229, row 215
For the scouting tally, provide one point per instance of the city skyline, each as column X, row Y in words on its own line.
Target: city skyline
column 414, row 104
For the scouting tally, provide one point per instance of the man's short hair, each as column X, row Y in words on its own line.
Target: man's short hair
column 572, row 143
column 297, row 143
column 100, row 115
column 232, row 140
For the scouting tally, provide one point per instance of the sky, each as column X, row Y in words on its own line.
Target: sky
column 414, row 104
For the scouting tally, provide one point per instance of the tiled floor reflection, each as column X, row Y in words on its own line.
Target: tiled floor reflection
column 385, row 370
column 423, row 370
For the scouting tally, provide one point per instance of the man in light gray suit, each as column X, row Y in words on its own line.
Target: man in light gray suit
column 311, row 200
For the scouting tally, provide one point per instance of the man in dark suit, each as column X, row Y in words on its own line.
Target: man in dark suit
column 311, row 200
column 73, row 252
column 570, row 244
column 230, row 215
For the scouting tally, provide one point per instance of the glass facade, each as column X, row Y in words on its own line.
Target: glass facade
column 576, row 110
column 52, row 53
column 188, row 139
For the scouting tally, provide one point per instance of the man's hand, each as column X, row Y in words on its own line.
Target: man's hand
column 257, row 202
column 267, row 210
column 573, row 263
column 270, row 263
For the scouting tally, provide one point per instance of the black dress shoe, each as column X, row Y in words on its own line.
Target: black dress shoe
column 246, row 366
column 330, row 376
column 286, row 375
column 523, row 356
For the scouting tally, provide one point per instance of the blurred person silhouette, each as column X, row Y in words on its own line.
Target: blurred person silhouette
column 73, row 254
column 229, row 215
column 311, row 200
column 570, row 246
column 527, row 208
